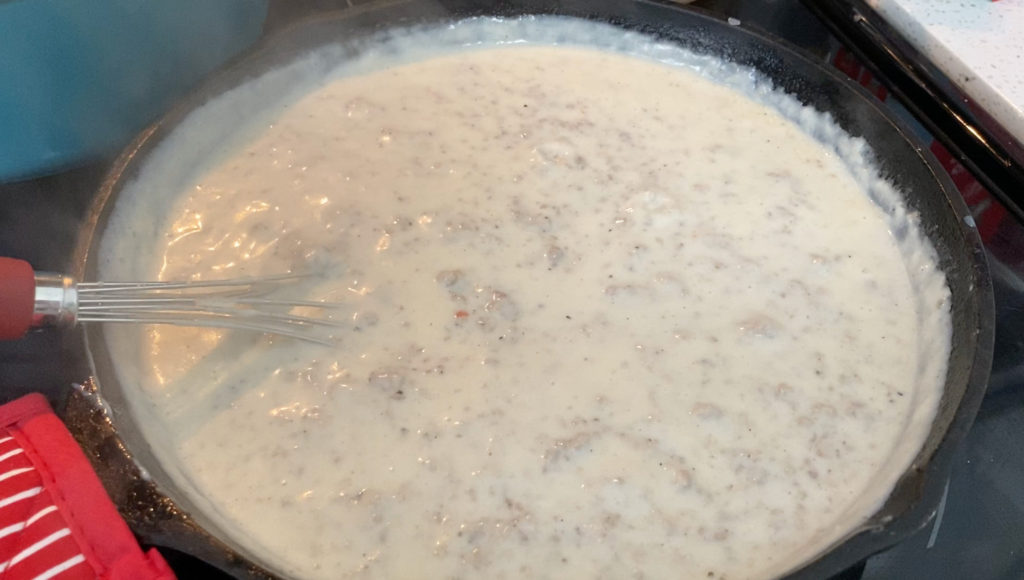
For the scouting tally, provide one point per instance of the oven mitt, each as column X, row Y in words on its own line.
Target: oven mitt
column 56, row 520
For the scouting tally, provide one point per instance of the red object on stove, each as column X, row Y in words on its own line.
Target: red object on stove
column 56, row 520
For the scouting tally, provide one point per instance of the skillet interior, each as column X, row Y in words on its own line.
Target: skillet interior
column 159, row 512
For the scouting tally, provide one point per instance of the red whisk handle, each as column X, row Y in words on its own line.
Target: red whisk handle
column 17, row 297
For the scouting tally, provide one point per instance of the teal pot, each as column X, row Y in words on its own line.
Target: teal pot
column 79, row 79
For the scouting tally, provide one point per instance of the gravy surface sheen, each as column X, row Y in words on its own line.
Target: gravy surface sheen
column 602, row 318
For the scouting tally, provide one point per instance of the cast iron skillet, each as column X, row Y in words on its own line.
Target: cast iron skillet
column 162, row 515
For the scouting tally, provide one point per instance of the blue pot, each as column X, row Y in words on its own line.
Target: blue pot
column 79, row 78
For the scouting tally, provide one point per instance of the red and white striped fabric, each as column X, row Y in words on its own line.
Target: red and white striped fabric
column 56, row 520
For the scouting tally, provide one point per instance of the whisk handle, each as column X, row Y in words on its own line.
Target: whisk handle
column 17, row 297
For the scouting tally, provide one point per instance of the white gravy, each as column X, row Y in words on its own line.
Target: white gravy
column 603, row 318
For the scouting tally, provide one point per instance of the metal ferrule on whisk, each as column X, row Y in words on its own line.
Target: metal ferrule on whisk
column 56, row 302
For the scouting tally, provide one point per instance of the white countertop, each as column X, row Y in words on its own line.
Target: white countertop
column 978, row 44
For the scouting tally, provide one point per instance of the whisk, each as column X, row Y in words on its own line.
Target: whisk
column 30, row 299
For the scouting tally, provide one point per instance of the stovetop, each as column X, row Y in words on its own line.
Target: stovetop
column 978, row 531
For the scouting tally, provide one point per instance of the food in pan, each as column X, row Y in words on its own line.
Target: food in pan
column 608, row 309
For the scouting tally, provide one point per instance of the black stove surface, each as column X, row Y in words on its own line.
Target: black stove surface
column 978, row 531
